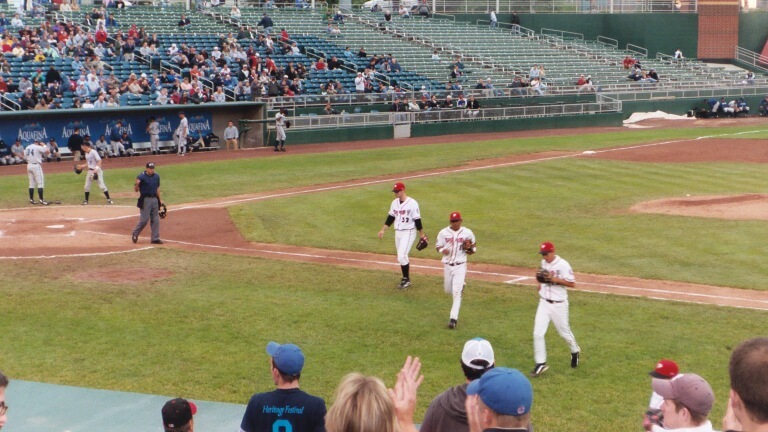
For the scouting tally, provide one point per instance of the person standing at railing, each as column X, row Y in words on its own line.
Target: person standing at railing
column 494, row 20
column 515, row 23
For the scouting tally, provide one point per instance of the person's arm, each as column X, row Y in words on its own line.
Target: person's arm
column 404, row 393
column 387, row 224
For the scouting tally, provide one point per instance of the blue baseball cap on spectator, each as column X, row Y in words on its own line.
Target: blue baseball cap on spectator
column 288, row 358
column 505, row 391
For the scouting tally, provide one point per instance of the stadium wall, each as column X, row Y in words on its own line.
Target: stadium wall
column 662, row 32
column 753, row 31
column 59, row 124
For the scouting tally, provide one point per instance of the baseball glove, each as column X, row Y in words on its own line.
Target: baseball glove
column 77, row 170
column 163, row 211
column 96, row 175
column 543, row 276
column 423, row 243
column 287, row 124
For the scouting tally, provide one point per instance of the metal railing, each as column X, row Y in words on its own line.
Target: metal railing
column 757, row 61
column 693, row 93
column 566, row 6
column 603, row 104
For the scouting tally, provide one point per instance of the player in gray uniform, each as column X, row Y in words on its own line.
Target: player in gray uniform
column 153, row 129
column 181, row 135
column 280, row 130
column 35, row 154
column 93, row 164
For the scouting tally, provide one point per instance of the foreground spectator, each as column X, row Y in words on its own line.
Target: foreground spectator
column 3, row 405
column 363, row 403
column 688, row 399
column 500, row 401
column 447, row 412
column 748, row 402
column 178, row 415
column 266, row 410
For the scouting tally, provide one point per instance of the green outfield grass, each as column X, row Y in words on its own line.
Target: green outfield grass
column 205, row 180
column 201, row 333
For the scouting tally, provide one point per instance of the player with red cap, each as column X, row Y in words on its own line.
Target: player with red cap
column 455, row 243
column 553, row 306
column 405, row 214
column 178, row 415
column 665, row 369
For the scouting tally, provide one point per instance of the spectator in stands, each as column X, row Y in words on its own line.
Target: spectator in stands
column 423, row 9
column 111, row 22
column 363, row 403
column 688, row 399
column 447, row 412
column 500, row 400
column 52, row 76
column 287, row 362
column 515, row 21
column 27, row 100
column 403, row 11
column 447, row 103
column 3, row 85
column 456, row 73
column 88, row 104
column 329, row 110
column 537, row 87
column 494, row 20
column 747, row 408
column 184, row 21
column 534, row 72
column 178, row 414
column 17, row 22
column 457, row 63
column 338, row 16
column 473, row 106
column 334, row 63
column 435, row 56
column 335, row 31
column 267, row 23
column 234, row 14
column 3, row 405
column 653, row 75
column 361, row 53
column 628, row 62
column 360, row 83
column 4, row 22
column 17, row 152
column 585, row 83
column 749, row 78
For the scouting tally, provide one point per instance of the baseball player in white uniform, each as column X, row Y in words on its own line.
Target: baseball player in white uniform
column 153, row 129
column 553, row 306
column 35, row 154
column 455, row 243
column 405, row 214
column 93, row 164
column 181, row 135
column 280, row 130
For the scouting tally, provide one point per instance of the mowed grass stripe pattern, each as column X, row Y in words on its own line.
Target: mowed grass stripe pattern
column 580, row 204
column 201, row 333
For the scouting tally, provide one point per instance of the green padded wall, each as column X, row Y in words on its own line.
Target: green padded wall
column 753, row 30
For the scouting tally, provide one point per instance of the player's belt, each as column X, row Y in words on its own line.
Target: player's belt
column 456, row 264
column 149, row 196
column 554, row 301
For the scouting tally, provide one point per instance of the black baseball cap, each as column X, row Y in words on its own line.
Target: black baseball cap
column 151, row 165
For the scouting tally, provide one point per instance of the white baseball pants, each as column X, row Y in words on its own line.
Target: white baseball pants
column 117, row 148
column 35, row 173
column 453, row 283
column 558, row 314
column 403, row 242
column 100, row 181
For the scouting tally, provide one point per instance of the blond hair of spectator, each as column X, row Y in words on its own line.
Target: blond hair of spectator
column 362, row 404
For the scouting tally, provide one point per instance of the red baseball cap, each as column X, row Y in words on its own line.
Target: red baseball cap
column 665, row 369
column 455, row 216
column 399, row 186
column 546, row 248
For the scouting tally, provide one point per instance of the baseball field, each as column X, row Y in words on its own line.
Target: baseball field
column 664, row 227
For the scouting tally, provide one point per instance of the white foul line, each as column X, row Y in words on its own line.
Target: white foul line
column 77, row 255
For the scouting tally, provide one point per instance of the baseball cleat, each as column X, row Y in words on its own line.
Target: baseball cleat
column 574, row 359
column 85, row 202
column 109, row 201
column 452, row 324
column 158, row 241
column 43, row 202
column 32, row 202
column 539, row 369
column 404, row 283
column 134, row 238
column 282, row 149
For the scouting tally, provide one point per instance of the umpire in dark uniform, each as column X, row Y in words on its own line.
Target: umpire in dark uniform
column 148, row 185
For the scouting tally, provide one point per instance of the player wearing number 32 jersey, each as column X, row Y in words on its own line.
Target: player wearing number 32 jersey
column 404, row 213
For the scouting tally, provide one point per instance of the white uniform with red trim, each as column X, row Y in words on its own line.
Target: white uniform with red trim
column 405, row 214
column 454, row 263
column 553, row 306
